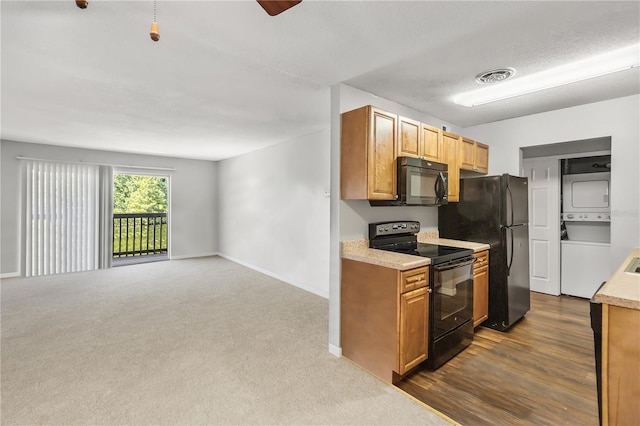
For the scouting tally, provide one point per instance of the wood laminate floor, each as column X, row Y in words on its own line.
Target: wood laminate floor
column 542, row 371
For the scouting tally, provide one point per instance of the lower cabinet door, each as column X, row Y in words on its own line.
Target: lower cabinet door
column 480, row 295
column 414, row 316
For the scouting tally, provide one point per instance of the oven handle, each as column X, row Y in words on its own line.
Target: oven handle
column 458, row 264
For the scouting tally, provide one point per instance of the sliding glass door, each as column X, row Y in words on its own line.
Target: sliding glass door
column 140, row 218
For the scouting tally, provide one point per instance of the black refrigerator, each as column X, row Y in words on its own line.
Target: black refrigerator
column 494, row 210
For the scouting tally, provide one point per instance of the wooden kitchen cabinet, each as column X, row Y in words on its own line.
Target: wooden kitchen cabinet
column 409, row 138
column 482, row 158
column 480, row 288
column 414, row 320
column 419, row 140
column 474, row 156
column 467, row 153
column 431, row 143
column 620, row 365
column 368, row 154
column 384, row 318
column 372, row 139
column 450, row 157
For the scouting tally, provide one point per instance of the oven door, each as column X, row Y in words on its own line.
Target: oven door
column 452, row 295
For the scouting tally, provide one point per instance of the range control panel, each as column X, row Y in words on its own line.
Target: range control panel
column 586, row 217
column 392, row 228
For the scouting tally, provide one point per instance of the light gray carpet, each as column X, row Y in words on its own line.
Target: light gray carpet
column 198, row 341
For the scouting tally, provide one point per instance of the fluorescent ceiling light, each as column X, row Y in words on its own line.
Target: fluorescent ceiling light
column 614, row 61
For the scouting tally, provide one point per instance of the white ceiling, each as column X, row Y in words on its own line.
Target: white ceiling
column 226, row 78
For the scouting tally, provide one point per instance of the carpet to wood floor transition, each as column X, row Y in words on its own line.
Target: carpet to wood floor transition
column 542, row 371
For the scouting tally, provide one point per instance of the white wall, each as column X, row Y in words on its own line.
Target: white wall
column 274, row 213
column 618, row 118
column 193, row 197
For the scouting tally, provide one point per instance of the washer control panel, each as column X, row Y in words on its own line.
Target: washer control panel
column 586, row 217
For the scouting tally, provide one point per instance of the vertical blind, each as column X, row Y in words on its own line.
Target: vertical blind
column 105, row 213
column 62, row 217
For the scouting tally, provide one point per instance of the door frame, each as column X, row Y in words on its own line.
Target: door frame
column 146, row 172
column 576, row 154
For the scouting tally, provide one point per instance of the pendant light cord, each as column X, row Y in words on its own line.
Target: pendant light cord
column 154, row 33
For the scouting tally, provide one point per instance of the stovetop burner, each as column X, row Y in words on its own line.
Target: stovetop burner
column 400, row 237
column 437, row 253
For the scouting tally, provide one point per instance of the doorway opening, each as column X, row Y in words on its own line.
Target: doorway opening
column 569, row 231
column 140, row 218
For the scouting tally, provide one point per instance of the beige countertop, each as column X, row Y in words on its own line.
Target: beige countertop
column 359, row 250
column 623, row 288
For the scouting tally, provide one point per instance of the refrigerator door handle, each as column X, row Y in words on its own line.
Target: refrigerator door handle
column 509, row 205
column 509, row 250
column 509, row 239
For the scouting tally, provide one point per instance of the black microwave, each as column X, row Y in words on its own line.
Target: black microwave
column 420, row 183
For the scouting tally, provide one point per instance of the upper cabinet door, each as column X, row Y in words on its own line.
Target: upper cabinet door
column 368, row 143
column 382, row 155
column 474, row 156
column 431, row 143
column 450, row 157
column 482, row 158
column 409, row 143
column 467, row 154
column 419, row 140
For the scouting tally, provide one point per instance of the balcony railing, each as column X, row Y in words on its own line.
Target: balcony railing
column 139, row 234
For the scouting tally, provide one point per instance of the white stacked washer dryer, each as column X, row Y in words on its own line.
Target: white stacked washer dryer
column 586, row 210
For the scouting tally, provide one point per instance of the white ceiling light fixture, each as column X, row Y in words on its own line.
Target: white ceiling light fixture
column 607, row 63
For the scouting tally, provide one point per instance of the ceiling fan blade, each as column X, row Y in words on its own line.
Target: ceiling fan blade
column 275, row 7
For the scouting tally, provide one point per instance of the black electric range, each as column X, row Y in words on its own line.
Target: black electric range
column 450, row 286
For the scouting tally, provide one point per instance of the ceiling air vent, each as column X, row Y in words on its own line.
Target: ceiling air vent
column 495, row 76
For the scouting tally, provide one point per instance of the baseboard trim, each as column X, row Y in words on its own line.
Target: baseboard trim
column 193, row 256
column 335, row 350
column 10, row 275
column 276, row 276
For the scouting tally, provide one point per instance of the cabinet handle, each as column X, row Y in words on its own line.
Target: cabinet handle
column 395, row 197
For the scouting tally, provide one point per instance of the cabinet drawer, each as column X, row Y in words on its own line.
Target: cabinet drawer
column 413, row 279
column 480, row 270
column 482, row 259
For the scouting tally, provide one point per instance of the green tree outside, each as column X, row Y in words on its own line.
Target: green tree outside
column 139, row 194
